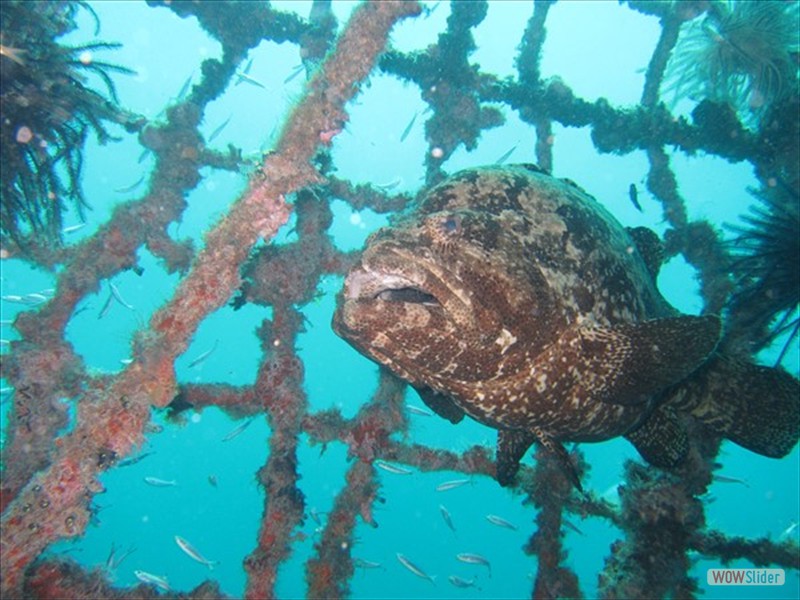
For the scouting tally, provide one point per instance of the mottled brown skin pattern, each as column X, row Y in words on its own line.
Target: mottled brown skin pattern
column 517, row 299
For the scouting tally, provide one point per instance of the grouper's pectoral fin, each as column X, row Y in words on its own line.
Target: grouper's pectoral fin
column 512, row 444
column 661, row 439
column 441, row 404
column 629, row 363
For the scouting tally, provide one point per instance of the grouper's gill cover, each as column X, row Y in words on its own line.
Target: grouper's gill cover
column 515, row 298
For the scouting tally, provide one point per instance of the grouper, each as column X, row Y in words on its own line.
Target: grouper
column 515, row 298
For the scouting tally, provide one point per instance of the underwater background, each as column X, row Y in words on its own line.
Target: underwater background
column 209, row 494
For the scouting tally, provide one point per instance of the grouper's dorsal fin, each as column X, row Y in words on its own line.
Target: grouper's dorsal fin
column 650, row 248
column 441, row 404
column 628, row 363
column 661, row 439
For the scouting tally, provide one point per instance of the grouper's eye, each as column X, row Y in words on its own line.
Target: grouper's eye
column 452, row 224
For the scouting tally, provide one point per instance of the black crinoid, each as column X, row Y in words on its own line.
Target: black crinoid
column 766, row 267
column 46, row 113
column 740, row 52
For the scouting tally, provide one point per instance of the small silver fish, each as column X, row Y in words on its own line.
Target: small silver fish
column 505, row 156
column 246, row 70
column 314, row 514
column 416, row 410
column 447, row 518
column 106, row 307
column 145, row 153
column 362, row 563
column 193, row 553
column 114, row 560
column 218, row 130
column 238, row 431
column 132, row 461
column 570, row 525
column 390, row 468
column 633, row 194
column 429, row 11
column 788, row 531
column 474, row 559
column 407, row 130
column 451, row 485
column 149, row 578
column 131, row 187
column 726, row 479
column 118, row 297
column 390, row 185
column 295, row 72
column 500, row 522
column 415, row 569
column 156, row 482
column 245, row 77
column 202, row 357
column 73, row 228
column 462, row 583
column 27, row 299
column 184, row 88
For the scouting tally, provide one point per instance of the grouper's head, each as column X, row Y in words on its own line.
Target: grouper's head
column 445, row 296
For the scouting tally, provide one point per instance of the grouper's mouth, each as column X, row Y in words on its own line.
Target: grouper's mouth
column 364, row 284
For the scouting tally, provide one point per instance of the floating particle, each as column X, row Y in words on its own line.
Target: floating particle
column 24, row 135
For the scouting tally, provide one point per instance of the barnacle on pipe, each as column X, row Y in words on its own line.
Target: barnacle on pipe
column 47, row 114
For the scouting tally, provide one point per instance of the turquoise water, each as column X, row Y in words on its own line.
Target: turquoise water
column 599, row 49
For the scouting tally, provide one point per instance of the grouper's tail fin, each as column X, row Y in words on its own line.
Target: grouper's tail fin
column 754, row 406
